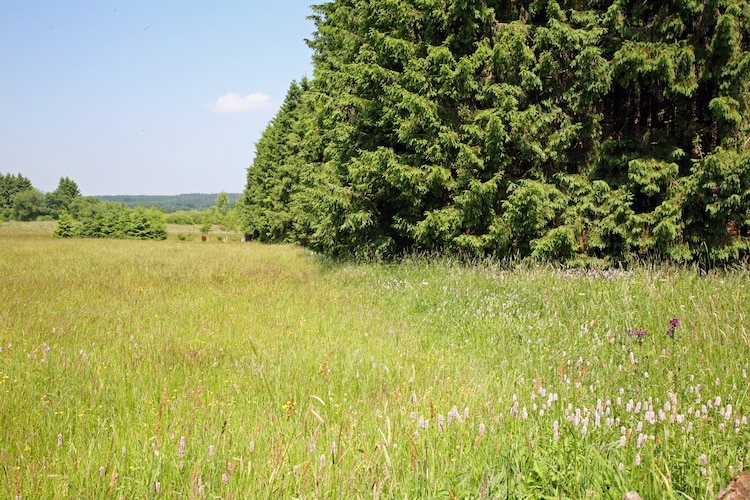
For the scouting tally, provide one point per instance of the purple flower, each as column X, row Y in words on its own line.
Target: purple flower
column 673, row 324
column 638, row 333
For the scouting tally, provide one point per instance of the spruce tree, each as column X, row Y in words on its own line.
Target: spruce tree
column 558, row 129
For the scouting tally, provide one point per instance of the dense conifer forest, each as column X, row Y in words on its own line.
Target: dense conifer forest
column 552, row 129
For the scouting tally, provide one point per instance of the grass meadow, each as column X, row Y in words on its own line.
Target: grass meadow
column 189, row 369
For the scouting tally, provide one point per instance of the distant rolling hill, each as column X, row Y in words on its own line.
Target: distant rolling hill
column 170, row 203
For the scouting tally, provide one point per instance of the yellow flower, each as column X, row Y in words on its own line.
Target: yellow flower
column 289, row 407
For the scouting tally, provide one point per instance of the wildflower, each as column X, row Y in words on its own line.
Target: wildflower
column 641, row 440
column 224, row 478
column 157, row 487
column 322, row 460
column 181, row 451
column 621, row 467
column 704, row 459
column 252, row 446
column 289, row 408
column 123, row 450
column 101, row 471
column 556, row 430
column 638, row 333
column 482, row 428
column 638, row 460
column 333, row 448
column 454, row 414
column 59, row 440
column 211, row 451
column 673, row 324
column 440, row 423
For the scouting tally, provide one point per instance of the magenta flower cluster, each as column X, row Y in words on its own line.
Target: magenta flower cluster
column 673, row 324
column 638, row 333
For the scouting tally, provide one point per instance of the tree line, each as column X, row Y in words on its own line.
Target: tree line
column 135, row 217
column 77, row 216
column 171, row 203
column 554, row 129
column 19, row 200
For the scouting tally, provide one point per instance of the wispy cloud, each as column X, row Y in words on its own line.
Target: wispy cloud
column 232, row 102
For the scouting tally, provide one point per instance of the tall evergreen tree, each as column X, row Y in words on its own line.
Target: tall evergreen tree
column 62, row 197
column 548, row 128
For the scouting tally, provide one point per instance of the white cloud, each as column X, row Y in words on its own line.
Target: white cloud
column 232, row 102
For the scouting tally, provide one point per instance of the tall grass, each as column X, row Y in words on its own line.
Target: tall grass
column 210, row 369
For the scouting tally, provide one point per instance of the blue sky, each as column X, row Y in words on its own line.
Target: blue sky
column 144, row 97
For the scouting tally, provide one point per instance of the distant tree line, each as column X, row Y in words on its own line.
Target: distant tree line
column 554, row 129
column 172, row 203
column 77, row 216
column 95, row 217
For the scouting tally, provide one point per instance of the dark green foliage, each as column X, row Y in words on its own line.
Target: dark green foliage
column 19, row 200
column 27, row 205
column 169, row 204
column 10, row 185
column 114, row 220
column 553, row 129
column 65, row 226
column 61, row 198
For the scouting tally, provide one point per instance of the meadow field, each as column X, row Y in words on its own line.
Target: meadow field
column 189, row 369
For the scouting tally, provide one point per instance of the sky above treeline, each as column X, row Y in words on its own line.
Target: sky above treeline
column 144, row 97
